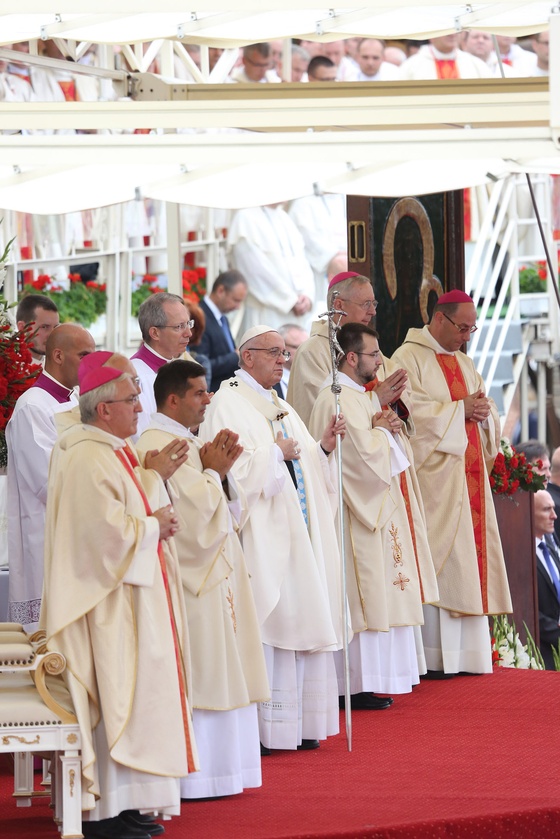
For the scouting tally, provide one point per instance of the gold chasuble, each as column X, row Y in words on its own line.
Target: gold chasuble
column 113, row 606
column 452, row 459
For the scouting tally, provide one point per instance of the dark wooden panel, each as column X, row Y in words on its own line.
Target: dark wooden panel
column 515, row 520
column 411, row 248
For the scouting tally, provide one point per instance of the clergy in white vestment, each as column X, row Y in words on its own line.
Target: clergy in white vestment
column 351, row 294
column 114, row 607
column 456, row 441
column 442, row 59
column 166, row 329
column 289, row 541
column 389, row 567
column 30, row 436
column 372, row 64
column 321, row 220
column 266, row 246
column 228, row 668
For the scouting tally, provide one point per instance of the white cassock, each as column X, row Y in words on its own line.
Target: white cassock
column 294, row 567
column 266, row 246
column 30, row 434
column 387, row 73
column 229, row 672
column 422, row 65
column 147, row 362
column 321, row 220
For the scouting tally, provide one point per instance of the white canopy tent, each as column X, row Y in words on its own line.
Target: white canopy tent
column 248, row 144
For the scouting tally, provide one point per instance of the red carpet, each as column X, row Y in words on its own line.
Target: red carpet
column 475, row 756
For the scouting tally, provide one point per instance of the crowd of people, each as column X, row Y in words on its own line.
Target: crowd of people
column 180, row 547
column 469, row 54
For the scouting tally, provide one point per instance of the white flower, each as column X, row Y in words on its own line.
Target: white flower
column 507, row 658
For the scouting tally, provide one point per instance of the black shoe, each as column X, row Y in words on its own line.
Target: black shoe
column 143, row 818
column 114, row 828
column 366, row 702
column 308, row 745
column 133, row 818
column 436, row 675
column 265, row 751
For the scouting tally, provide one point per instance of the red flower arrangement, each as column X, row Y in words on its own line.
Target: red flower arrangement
column 17, row 372
column 194, row 284
column 512, row 472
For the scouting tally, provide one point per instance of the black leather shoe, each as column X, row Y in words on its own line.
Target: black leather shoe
column 308, row 745
column 133, row 818
column 114, row 828
column 366, row 702
column 265, row 751
column 436, row 675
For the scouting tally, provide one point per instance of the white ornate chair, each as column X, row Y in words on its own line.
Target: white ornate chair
column 36, row 716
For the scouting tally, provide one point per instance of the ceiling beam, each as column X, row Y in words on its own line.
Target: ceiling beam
column 354, row 148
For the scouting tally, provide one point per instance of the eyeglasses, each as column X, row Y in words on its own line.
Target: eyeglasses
column 374, row 354
column 131, row 400
column 274, row 352
column 179, row 327
column 463, row 327
column 368, row 304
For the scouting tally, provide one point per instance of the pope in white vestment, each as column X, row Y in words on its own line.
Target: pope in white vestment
column 113, row 605
column 228, row 668
column 456, row 441
column 289, row 543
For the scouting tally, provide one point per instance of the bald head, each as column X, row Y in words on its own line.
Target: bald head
column 66, row 346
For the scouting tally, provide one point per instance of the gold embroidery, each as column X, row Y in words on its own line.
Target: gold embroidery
column 401, row 581
column 232, row 608
column 396, row 546
column 7, row 737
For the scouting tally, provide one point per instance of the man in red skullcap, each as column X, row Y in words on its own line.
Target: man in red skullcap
column 113, row 605
column 352, row 294
column 457, row 438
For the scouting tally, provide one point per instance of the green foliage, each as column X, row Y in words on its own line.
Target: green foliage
column 81, row 303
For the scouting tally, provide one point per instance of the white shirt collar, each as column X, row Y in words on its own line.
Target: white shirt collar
column 213, row 308
column 151, row 349
column 165, row 423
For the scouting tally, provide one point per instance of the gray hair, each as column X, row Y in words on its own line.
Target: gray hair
column 151, row 312
column 300, row 52
column 345, row 285
column 90, row 400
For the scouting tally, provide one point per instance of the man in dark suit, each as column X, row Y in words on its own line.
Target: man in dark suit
column 548, row 576
column 554, row 488
column 217, row 344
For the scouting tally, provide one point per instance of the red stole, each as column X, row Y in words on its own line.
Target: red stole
column 129, row 461
column 446, row 68
column 474, row 470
